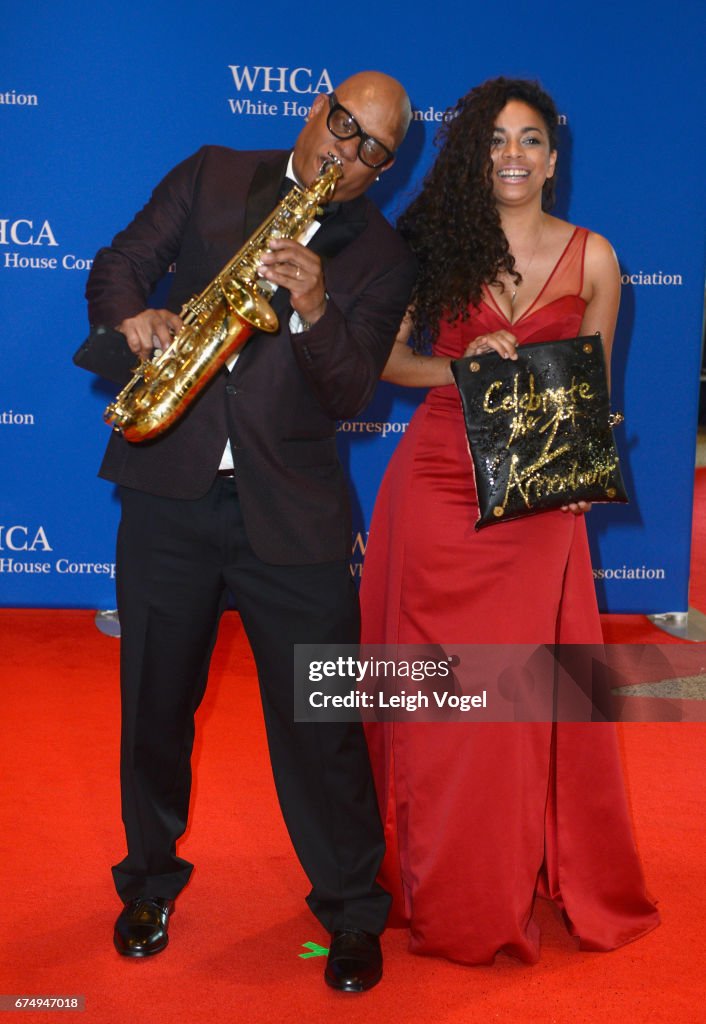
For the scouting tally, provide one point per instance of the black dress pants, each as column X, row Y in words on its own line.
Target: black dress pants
column 176, row 562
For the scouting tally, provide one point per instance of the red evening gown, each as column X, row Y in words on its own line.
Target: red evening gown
column 482, row 818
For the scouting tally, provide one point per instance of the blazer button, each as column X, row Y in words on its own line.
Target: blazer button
column 230, row 390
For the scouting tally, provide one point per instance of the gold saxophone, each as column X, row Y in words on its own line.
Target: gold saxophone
column 217, row 323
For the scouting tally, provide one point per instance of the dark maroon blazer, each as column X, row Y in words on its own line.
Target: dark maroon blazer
column 287, row 390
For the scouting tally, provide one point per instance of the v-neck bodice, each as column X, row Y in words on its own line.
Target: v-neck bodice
column 556, row 312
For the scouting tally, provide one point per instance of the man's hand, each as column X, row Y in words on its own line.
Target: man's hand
column 293, row 266
column 153, row 328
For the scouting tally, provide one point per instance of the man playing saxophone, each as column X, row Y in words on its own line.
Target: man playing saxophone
column 244, row 495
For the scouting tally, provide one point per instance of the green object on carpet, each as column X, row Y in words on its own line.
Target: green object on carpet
column 314, row 950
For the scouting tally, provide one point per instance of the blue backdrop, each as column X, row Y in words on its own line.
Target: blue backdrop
column 96, row 105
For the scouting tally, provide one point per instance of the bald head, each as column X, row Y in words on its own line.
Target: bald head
column 375, row 89
column 381, row 109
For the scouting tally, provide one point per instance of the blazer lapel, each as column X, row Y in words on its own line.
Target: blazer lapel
column 339, row 230
column 264, row 190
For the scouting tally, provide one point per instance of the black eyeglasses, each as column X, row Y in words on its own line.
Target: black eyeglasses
column 341, row 123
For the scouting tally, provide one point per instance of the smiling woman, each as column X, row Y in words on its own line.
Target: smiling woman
column 518, row 130
column 512, row 810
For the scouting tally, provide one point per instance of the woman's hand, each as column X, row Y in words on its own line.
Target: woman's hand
column 502, row 342
column 577, row 507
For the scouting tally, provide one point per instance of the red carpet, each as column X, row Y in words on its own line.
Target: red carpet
column 241, row 924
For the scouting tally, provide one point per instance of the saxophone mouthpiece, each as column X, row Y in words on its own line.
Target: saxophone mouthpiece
column 331, row 159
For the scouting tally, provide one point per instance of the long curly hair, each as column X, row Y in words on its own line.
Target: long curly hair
column 453, row 225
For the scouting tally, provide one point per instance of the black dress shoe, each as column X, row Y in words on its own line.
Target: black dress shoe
column 354, row 961
column 141, row 928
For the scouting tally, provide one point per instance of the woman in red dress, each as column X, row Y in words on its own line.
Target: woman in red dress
column 483, row 818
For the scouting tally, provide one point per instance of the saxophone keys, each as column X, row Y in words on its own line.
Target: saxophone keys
column 250, row 306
